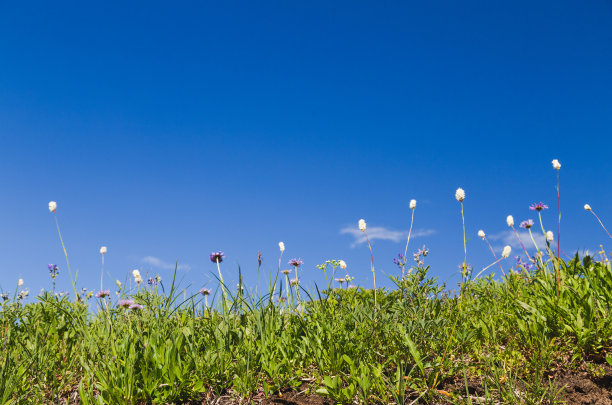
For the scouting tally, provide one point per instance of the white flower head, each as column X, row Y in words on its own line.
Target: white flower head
column 103, row 250
column 510, row 220
column 281, row 246
column 506, row 252
column 481, row 234
column 342, row 264
column 135, row 273
column 460, row 194
column 20, row 282
column 587, row 207
column 362, row 225
column 412, row 204
column 52, row 206
column 550, row 236
column 556, row 164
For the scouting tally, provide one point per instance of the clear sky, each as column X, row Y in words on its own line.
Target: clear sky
column 166, row 131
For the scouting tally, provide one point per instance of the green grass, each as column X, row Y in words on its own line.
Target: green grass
column 510, row 336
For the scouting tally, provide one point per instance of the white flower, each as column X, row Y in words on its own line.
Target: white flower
column 587, row 207
column 510, row 220
column 556, row 164
column 506, row 252
column 342, row 264
column 135, row 273
column 460, row 194
column 103, row 250
column 52, row 206
column 281, row 245
column 362, row 225
column 158, row 279
column 550, row 236
column 20, row 282
column 481, row 234
column 412, row 204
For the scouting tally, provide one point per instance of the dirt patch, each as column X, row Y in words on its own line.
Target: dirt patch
column 582, row 389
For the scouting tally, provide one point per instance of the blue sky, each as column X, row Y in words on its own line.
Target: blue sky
column 168, row 131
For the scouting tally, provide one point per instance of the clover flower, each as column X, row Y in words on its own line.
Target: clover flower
column 204, row 291
column 52, row 206
column 103, row 250
column 342, row 264
column 362, row 225
column 125, row 303
column 412, row 204
column 510, row 220
column 527, row 224
column 481, row 234
column 102, row 293
column 587, row 207
column 506, row 252
column 460, row 194
column 556, row 164
column 296, row 262
column 550, row 236
column 281, row 246
column 217, row 257
column 538, row 207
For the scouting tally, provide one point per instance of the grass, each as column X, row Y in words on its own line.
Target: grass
column 510, row 336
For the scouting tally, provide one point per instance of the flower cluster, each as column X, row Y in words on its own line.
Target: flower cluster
column 53, row 270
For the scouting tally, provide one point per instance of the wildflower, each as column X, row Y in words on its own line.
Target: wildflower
column 286, row 271
column 205, row 291
column 460, row 194
column 506, row 252
column 527, row 224
column 412, row 204
column 22, row 295
column 362, row 225
column 399, row 260
column 125, row 303
column 481, row 234
column 550, row 236
column 4, row 296
column 52, row 206
column 136, row 307
column 103, row 250
column 556, row 164
column 294, row 281
column 340, row 280
column 158, row 279
column 282, row 299
column 103, row 293
column 20, row 282
column 135, row 273
column 118, row 283
column 217, row 257
column 342, row 264
column 538, row 207
column 587, row 207
column 53, row 270
column 510, row 220
column 281, row 246
column 151, row 281
column 296, row 262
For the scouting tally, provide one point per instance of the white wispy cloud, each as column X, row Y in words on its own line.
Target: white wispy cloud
column 382, row 233
column 159, row 263
column 508, row 237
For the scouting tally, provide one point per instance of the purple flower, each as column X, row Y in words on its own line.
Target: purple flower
column 527, row 224
column 125, row 303
column 205, row 291
column 103, row 293
column 217, row 257
column 296, row 262
column 399, row 260
column 538, row 207
column 294, row 281
column 53, row 270
column 136, row 306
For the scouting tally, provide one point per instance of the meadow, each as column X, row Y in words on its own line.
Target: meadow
column 540, row 333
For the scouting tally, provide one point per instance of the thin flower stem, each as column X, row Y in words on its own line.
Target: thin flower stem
column 520, row 241
column 373, row 270
column 601, row 223
column 102, row 273
column 492, row 264
column 65, row 254
column 464, row 241
column 407, row 242
column 559, row 231
column 494, row 255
